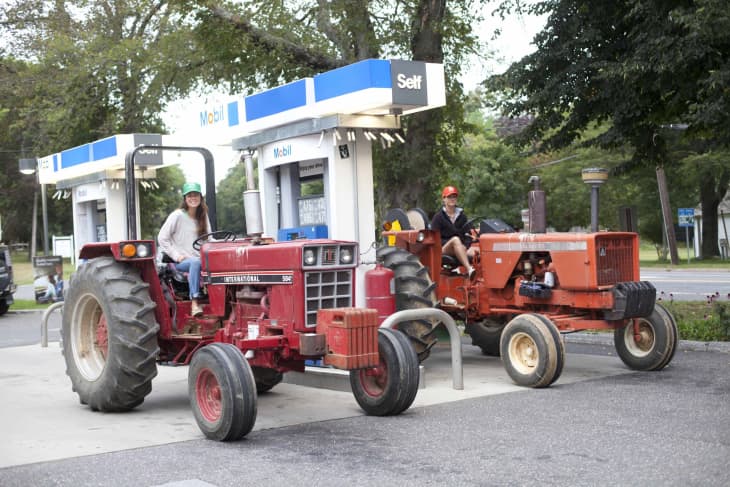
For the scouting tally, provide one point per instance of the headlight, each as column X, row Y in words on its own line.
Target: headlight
column 310, row 257
column 345, row 255
column 142, row 250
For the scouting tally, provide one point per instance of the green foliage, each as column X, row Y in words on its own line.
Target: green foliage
column 491, row 176
column 702, row 321
column 634, row 69
column 109, row 67
column 156, row 204
column 281, row 41
column 229, row 200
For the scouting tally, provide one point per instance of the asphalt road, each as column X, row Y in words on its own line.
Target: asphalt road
column 688, row 285
column 608, row 427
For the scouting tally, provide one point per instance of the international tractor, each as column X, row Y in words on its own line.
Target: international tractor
column 268, row 307
column 528, row 290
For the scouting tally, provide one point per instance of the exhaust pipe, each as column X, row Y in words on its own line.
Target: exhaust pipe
column 536, row 207
column 252, row 199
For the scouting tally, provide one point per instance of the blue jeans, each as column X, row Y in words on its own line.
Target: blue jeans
column 191, row 265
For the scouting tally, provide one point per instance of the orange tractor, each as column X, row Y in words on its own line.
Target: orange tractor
column 528, row 289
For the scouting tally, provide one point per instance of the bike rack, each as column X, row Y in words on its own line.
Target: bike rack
column 457, row 367
column 44, row 321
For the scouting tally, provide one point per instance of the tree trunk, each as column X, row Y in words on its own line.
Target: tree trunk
column 411, row 184
column 667, row 214
column 709, row 202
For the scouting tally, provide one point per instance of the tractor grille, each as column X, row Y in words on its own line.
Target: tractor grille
column 329, row 255
column 327, row 289
column 615, row 260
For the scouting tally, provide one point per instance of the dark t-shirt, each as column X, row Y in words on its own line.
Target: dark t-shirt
column 442, row 223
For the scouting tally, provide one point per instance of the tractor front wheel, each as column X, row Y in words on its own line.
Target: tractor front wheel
column 647, row 343
column 222, row 392
column 531, row 353
column 389, row 388
column 109, row 335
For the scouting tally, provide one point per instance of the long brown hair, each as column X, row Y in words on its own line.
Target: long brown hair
column 201, row 214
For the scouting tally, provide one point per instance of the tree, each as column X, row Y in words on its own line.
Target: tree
column 490, row 175
column 75, row 72
column 229, row 200
column 265, row 43
column 640, row 66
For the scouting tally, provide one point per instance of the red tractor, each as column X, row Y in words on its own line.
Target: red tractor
column 268, row 307
column 528, row 289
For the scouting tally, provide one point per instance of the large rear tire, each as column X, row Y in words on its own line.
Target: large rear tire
column 109, row 335
column 414, row 290
column 266, row 379
column 486, row 334
column 222, row 392
column 391, row 387
column 530, row 352
column 653, row 347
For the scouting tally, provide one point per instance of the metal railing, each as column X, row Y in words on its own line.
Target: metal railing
column 44, row 321
column 457, row 368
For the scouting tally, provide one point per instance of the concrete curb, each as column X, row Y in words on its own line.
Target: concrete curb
column 684, row 345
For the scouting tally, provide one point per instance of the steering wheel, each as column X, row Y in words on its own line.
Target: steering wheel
column 223, row 235
column 469, row 224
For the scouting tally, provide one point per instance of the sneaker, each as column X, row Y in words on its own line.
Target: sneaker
column 472, row 273
column 196, row 310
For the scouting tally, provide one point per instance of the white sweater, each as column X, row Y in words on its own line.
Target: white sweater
column 177, row 235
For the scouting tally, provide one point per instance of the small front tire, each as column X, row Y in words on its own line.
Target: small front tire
column 647, row 343
column 222, row 392
column 389, row 388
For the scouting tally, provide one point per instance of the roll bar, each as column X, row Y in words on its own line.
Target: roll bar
column 131, row 187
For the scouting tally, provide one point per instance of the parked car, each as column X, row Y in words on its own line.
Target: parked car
column 7, row 285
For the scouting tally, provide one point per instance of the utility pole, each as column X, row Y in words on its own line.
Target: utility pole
column 667, row 214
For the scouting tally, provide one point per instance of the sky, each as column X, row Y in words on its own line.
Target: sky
column 512, row 45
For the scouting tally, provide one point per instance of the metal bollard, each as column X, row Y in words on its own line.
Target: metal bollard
column 44, row 321
column 457, row 367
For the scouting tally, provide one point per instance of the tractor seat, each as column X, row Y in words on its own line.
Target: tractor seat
column 449, row 262
column 171, row 271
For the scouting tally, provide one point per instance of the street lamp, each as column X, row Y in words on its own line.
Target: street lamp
column 29, row 166
column 595, row 177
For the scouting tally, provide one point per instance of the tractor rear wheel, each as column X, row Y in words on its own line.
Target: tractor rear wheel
column 647, row 343
column 222, row 392
column 530, row 351
column 265, row 378
column 109, row 335
column 389, row 388
column 485, row 334
column 414, row 290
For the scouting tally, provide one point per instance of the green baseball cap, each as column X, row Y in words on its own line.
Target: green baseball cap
column 190, row 187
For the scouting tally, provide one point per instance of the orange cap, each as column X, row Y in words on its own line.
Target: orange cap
column 448, row 191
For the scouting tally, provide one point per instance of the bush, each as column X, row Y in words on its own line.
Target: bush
column 702, row 321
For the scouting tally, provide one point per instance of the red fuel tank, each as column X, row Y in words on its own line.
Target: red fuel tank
column 379, row 291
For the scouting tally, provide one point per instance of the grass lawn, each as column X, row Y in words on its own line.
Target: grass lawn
column 648, row 258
